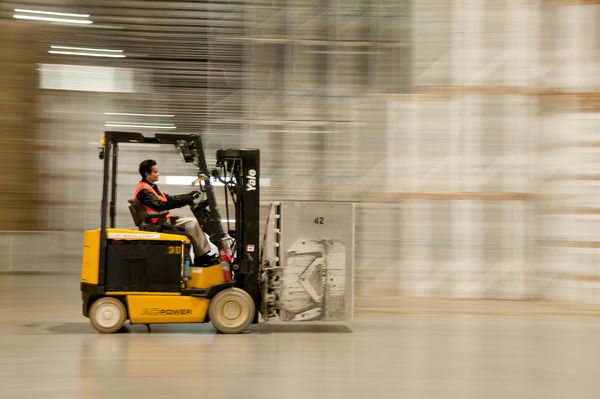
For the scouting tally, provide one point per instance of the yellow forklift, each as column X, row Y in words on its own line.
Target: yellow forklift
column 146, row 276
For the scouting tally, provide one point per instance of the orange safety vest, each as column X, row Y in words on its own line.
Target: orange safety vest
column 142, row 185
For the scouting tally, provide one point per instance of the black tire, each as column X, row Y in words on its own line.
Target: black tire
column 108, row 315
column 231, row 310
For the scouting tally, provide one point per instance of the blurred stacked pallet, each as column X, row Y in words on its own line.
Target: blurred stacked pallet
column 18, row 161
column 569, row 216
column 432, row 116
column 463, row 129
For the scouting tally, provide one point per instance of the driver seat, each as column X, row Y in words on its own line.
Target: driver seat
column 141, row 218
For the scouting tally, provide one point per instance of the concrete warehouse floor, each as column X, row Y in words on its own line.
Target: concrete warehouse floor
column 434, row 349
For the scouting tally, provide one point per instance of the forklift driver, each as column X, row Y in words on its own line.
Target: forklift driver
column 151, row 197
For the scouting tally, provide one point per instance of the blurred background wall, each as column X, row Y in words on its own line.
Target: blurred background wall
column 465, row 130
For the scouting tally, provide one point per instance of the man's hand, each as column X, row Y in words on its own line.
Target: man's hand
column 199, row 198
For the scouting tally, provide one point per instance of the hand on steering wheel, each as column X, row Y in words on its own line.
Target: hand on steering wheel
column 199, row 204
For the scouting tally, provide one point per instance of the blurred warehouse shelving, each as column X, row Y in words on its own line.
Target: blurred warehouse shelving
column 464, row 130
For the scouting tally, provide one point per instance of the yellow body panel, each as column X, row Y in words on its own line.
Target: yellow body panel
column 90, row 258
column 205, row 277
column 115, row 293
column 126, row 234
column 166, row 308
column 91, row 247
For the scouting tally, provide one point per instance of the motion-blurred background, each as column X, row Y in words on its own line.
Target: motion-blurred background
column 465, row 130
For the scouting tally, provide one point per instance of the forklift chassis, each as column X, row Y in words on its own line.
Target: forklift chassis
column 145, row 276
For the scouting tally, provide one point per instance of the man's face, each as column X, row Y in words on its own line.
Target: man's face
column 152, row 177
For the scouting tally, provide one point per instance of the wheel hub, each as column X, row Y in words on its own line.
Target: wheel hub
column 107, row 314
column 232, row 310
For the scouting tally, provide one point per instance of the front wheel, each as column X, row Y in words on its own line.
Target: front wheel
column 231, row 310
column 108, row 315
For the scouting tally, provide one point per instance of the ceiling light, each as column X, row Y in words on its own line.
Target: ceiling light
column 142, row 123
column 101, row 50
column 86, row 51
column 62, row 14
column 125, row 114
column 87, row 54
column 68, row 21
column 117, row 124
column 50, row 16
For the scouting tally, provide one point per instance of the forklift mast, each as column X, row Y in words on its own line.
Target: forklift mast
column 239, row 172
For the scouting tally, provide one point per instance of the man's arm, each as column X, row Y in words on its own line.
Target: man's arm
column 149, row 199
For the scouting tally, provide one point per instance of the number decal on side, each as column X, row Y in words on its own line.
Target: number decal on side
column 174, row 250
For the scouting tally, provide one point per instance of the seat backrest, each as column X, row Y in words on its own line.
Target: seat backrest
column 141, row 217
column 138, row 213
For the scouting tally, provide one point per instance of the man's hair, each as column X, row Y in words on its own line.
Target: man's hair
column 146, row 167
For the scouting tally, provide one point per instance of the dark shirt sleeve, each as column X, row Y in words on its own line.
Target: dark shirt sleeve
column 150, row 200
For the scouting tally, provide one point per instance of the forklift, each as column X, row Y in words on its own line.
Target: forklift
column 146, row 275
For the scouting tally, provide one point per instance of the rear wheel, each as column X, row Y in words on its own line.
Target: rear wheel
column 108, row 315
column 231, row 310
